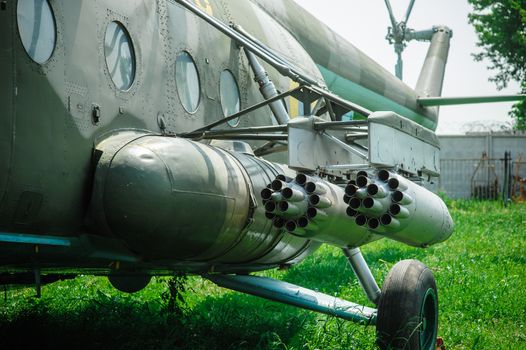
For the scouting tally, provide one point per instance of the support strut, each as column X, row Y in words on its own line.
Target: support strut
column 294, row 295
column 363, row 273
column 267, row 88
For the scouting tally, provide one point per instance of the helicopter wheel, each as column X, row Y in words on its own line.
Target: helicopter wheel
column 408, row 308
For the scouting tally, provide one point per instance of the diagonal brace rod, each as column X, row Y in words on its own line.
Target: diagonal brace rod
column 363, row 273
column 294, row 295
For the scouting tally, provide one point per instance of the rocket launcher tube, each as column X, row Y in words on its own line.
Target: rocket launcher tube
column 361, row 220
column 278, row 222
column 315, row 188
column 407, row 213
column 323, row 215
column 384, row 175
column 396, row 182
column 397, row 211
column 351, row 212
column 422, row 216
column 293, row 227
column 307, row 224
column 292, row 195
column 338, row 229
column 362, row 173
column 372, row 206
column 266, row 194
column 270, row 216
column 389, row 222
column 402, row 198
column 361, row 193
column 290, row 225
column 284, row 178
column 302, row 179
column 373, row 223
column 318, row 211
column 376, row 191
column 319, row 201
column 317, row 215
column 350, row 190
column 276, row 197
column 355, row 203
column 278, row 185
column 271, row 207
column 289, row 210
column 362, row 181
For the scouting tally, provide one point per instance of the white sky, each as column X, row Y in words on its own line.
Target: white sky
column 364, row 23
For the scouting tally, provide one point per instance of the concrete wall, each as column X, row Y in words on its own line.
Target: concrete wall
column 463, row 173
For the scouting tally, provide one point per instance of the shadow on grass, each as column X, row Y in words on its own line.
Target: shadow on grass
column 326, row 271
column 227, row 321
column 329, row 270
column 393, row 253
column 231, row 321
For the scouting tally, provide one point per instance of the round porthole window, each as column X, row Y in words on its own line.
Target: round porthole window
column 229, row 95
column 187, row 80
column 36, row 26
column 120, row 56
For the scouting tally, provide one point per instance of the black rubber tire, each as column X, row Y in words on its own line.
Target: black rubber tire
column 408, row 308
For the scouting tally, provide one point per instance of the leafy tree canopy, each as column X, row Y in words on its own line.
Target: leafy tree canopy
column 501, row 28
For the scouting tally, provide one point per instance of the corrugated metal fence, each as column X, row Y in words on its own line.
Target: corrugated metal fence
column 466, row 171
column 481, row 178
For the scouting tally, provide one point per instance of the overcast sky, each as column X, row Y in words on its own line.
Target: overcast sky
column 364, row 23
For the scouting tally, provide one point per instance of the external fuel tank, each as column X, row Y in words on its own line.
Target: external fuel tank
column 171, row 198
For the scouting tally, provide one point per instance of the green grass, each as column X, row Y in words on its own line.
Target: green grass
column 480, row 272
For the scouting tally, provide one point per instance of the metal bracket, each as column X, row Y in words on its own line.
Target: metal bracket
column 312, row 147
column 395, row 141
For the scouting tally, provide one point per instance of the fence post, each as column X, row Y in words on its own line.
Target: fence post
column 506, row 190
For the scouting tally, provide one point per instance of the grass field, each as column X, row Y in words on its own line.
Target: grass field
column 480, row 272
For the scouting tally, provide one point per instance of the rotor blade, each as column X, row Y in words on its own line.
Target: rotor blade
column 408, row 12
column 446, row 101
column 391, row 15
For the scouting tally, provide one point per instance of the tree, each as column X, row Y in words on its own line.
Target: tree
column 501, row 29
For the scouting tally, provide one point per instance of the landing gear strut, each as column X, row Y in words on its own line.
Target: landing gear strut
column 407, row 314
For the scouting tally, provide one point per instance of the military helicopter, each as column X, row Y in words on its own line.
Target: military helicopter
column 136, row 143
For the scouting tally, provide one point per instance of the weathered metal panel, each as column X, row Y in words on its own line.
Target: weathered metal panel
column 395, row 141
